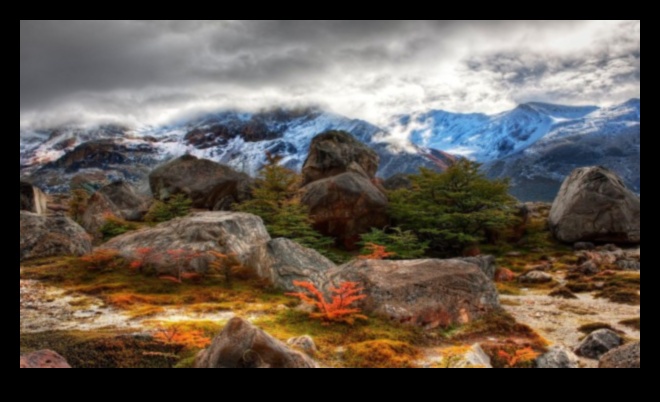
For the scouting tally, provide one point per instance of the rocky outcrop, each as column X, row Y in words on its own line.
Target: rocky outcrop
column 33, row 199
column 426, row 293
column 625, row 357
column 117, row 199
column 242, row 345
column 598, row 343
column 208, row 184
column 44, row 359
column 346, row 206
column 336, row 152
column 594, row 205
column 558, row 358
column 282, row 261
column 51, row 236
column 224, row 232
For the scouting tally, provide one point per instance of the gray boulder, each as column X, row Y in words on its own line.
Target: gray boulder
column 558, row 358
column 624, row 357
column 33, row 199
column 336, row 152
column 282, row 261
column 426, row 293
column 487, row 263
column 242, row 345
column 598, row 343
column 43, row 236
column 594, row 205
column 346, row 206
column 224, row 232
column 208, row 184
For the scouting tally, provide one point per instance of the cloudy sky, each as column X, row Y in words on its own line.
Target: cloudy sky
column 152, row 72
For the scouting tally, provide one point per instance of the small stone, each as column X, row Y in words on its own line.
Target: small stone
column 304, row 343
column 558, row 358
column 598, row 343
column 535, row 277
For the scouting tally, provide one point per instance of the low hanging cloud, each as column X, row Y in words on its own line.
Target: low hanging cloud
column 153, row 72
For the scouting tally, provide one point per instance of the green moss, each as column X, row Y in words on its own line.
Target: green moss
column 103, row 349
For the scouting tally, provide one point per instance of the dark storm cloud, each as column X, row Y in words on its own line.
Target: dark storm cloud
column 144, row 72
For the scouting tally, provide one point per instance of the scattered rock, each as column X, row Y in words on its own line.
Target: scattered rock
column 282, row 261
column 304, row 343
column 44, row 359
column 346, row 206
column 242, row 345
column 598, row 343
column 594, row 205
column 224, row 232
column 337, row 152
column 584, row 246
column 208, row 184
column 33, row 199
column 543, row 268
column 503, row 275
column 629, row 265
column 427, row 293
column 468, row 357
column 43, row 236
column 624, row 357
column 589, row 268
column 558, row 358
column 535, row 277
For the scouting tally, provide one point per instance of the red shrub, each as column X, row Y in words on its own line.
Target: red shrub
column 340, row 309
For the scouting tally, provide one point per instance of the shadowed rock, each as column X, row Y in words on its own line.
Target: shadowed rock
column 594, row 205
column 117, row 199
column 33, row 199
column 598, row 343
column 242, row 345
column 208, row 184
column 337, row 152
column 628, row 356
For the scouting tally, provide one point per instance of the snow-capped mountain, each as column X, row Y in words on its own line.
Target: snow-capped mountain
column 537, row 145
column 53, row 158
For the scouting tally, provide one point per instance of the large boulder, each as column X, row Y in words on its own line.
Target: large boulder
column 628, row 356
column 346, row 206
column 51, row 236
column 594, row 205
column 242, row 345
column 119, row 200
column 281, row 262
column 210, row 185
column 33, row 199
column 598, row 343
column 224, row 232
column 426, row 293
column 43, row 359
column 336, row 152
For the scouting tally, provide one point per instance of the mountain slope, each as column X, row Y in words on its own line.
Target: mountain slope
column 537, row 144
column 53, row 158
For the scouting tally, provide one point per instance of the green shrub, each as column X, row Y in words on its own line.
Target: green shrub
column 114, row 227
column 453, row 210
column 405, row 245
column 176, row 207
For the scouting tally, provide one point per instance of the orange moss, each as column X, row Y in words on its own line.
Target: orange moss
column 381, row 354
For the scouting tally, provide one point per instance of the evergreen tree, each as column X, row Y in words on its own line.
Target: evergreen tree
column 176, row 207
column 453, row 210
column 275, row 200
column 404, row 245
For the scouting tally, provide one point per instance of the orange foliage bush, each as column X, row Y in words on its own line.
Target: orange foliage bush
column 339, row 309
column 175, row 336
column 142, row 258
column 377, row 252
column 102, row 259
column 521, row 356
